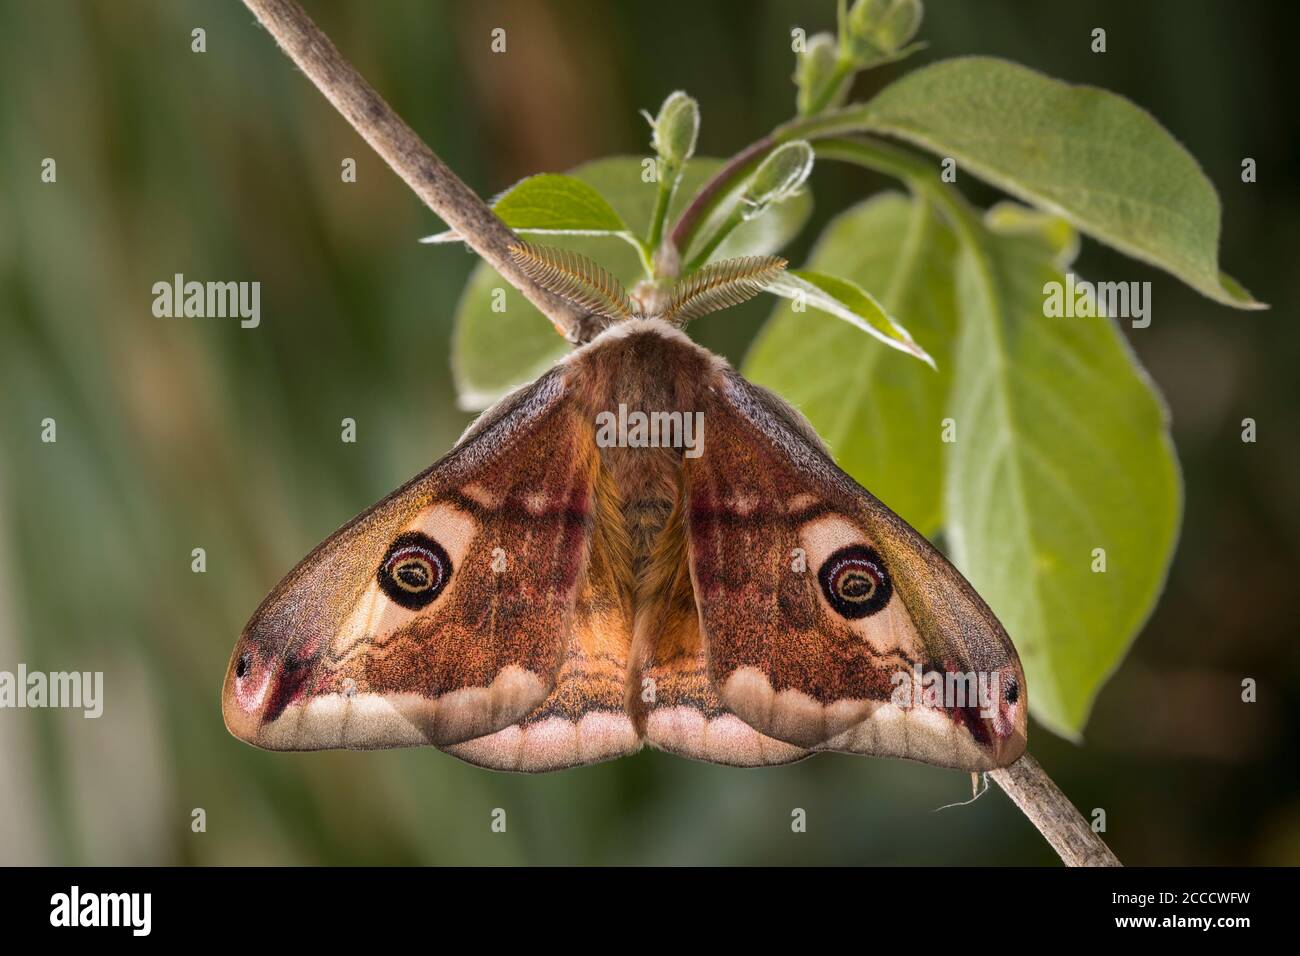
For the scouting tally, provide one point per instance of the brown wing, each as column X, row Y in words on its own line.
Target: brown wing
column 441, row 614
column 584, row 719
column 669, row 688
column 830, row 623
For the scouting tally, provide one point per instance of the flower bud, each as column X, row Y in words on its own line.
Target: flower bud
column 777, row 178
column 879, row 29
column 814, row 67
column 675, row 129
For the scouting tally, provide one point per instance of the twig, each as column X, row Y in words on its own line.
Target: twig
column 690, row 218
column 715, row 188
column 711, row 193
column 408, row 155
column 454, row 202
column 1032, row 790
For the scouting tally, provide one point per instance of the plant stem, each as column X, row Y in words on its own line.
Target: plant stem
column 844, row 68
column 724, row 229
column 901, row 164
column 430, row 178
column 744, row 162
column 1048, row 809
column 711, row 192
column 668, row 177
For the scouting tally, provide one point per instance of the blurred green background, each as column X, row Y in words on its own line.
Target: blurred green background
column 182, row 433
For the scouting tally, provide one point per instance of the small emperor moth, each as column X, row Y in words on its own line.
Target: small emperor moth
column 541, row 598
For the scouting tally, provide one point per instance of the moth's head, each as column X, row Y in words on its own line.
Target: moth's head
column 651, row 297
column 718, row 285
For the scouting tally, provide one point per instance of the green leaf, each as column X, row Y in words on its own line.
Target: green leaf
column 1057, row 236
column 850, row 302
column 552, row 203
column 494, row 351
column 1062, row 447
column 880, row 415
column 1083, row 153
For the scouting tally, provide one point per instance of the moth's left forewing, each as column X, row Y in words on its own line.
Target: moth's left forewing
column 830, row 623
column 441, row 614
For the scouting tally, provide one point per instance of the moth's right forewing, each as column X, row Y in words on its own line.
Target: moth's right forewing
column 820, row 607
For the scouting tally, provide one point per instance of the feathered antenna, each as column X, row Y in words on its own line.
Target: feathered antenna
column 721, row 285
column 575, row 278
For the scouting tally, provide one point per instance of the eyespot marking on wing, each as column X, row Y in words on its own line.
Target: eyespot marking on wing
column 854, row 582
column 376, row 615
column 414, row 571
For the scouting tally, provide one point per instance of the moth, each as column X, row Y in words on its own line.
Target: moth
column 548, row 595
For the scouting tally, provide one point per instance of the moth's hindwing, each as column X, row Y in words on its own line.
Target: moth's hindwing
column 669, row 690
column 830, row 623
column 584, row 720
column 443, row 613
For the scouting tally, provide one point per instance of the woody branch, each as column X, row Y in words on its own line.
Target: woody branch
column 389, row 135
